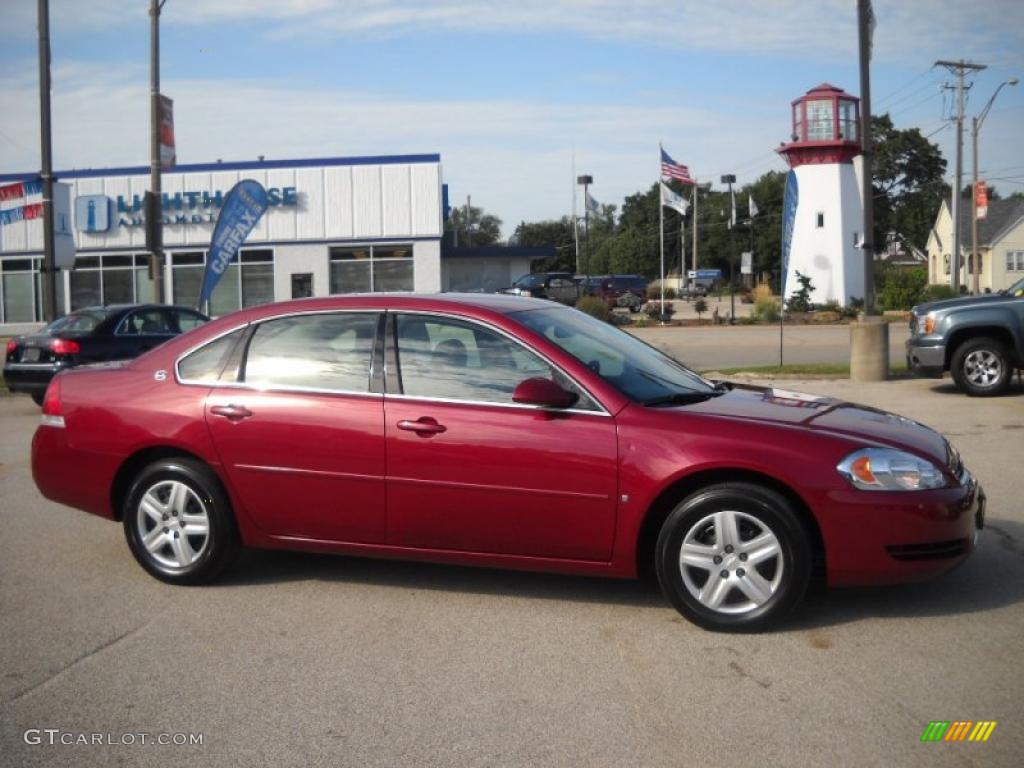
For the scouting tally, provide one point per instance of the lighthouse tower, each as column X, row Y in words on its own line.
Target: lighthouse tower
column 825, row 139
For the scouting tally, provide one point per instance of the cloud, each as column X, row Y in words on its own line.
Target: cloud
column 907, row 30
column 513, row 156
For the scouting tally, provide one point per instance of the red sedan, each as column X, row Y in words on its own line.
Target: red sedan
column 499, row 431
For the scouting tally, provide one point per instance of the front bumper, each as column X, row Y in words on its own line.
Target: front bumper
column 32, row 378
column 924, row 358
column 889, row 538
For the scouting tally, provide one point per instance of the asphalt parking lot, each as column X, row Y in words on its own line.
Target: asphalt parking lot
column 317, row 660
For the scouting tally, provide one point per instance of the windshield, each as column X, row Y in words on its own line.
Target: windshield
column 529, row 281
column 636, row 369
column 85, row 320
column 1017, row 289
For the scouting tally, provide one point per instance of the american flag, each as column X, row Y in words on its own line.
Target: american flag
column 670, row 169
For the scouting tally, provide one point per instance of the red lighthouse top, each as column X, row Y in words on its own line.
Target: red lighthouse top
column 826, row 128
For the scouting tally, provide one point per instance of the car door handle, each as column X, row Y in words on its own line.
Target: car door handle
column 423, row 426
column 231, row 412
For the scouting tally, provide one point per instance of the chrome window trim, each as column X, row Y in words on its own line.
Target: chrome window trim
column 436, row 313
column 603, row 411
column 252, row 388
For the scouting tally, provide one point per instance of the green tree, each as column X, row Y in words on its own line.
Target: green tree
column 556, row 233
column 908, row 182
column 478, row 228
column 902, row 288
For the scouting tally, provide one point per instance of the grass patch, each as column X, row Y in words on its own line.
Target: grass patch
column 834, row 370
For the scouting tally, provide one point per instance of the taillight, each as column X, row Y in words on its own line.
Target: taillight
column 65, row 347
column 53, row 408
column 11, row 346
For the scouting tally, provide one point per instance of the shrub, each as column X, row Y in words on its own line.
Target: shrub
column 902, row 288
column 653, row 310
column 801, row 300
column 594, row 306
column 641, row 321
column 700, row 306
column 631, row 300
column 937, row 292
column 670, row 293
column 766, row 311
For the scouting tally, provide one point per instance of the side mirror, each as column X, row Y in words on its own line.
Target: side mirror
column 543, row 392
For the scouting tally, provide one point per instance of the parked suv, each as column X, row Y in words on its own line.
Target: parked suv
column 557, row 286
column 613, row 287
column 978, row 339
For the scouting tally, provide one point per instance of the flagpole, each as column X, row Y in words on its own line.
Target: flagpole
column 661, row 235
column 694, row 256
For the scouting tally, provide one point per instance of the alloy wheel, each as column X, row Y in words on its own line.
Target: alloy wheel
column 983, row 368
column 173, row 524
column 731, row 562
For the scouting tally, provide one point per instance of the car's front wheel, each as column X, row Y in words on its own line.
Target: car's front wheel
column 981, row 367
column 178, row 522
column 734, row 557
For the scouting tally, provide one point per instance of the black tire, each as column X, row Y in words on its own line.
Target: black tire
column 174, row 525
column 784, row 576
column 981, row 367
column 37, row 398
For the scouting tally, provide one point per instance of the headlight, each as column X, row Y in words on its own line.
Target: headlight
column 929, row 322
column 886, row 469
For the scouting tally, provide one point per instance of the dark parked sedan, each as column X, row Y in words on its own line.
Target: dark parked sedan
column 497, row 431
column 91, row 335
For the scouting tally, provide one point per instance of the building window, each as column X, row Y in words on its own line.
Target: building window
column 945, row 263
column 970, row 263
column 847, row 120
column 1015, row 261
column 820, row 220
column 247, row 282
column 371, row 269
column 110, row 279
column 856, row 240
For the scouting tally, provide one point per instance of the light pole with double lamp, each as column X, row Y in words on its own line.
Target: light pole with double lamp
column 730, row 179
column 586, row 180
column 975, row 127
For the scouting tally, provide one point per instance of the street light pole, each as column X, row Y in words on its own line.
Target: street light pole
column 975, row 127
column 730, row 179
column 586, row 180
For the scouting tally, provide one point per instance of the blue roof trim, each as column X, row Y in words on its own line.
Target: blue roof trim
column 245, row 165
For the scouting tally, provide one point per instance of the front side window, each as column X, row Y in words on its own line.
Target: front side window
column 639, row 371
column 331, row 352
column 456, row 360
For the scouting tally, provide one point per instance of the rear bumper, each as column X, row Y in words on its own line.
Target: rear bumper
column 926, row 359
column 77, row 478
column 891, row 538
column 32, row 378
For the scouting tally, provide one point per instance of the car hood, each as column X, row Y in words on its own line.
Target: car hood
column 966, row 301
column 859, row 423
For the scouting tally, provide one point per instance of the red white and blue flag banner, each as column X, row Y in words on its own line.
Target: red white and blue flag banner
column 12, row 215
column 20, row 189
column 670, row 169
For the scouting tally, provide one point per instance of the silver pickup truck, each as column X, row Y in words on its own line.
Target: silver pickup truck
column 978, row 339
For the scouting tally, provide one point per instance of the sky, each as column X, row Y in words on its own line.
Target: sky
column 509, row 94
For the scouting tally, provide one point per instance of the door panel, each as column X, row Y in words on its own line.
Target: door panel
column 301, row 436
column 506, row 480
column 479, row 473
column 307, row 465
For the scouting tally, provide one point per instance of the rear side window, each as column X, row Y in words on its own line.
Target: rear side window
column 187, row 320
column 330, row 352
column 204, row 365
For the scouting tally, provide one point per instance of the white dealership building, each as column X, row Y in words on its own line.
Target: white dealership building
column 334, row 225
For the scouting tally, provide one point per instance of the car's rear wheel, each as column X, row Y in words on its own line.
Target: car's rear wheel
column 981, row 367
column 734, row 557
column 178, row 522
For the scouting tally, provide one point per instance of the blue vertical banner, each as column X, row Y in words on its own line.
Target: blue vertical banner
column 242, row 208
column 789, row 202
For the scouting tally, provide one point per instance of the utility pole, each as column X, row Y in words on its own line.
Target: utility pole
column 865, row 16
column 586, row 180
column 46, row 145
column 154, row 207
column 469, row 223
column 960, row 69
